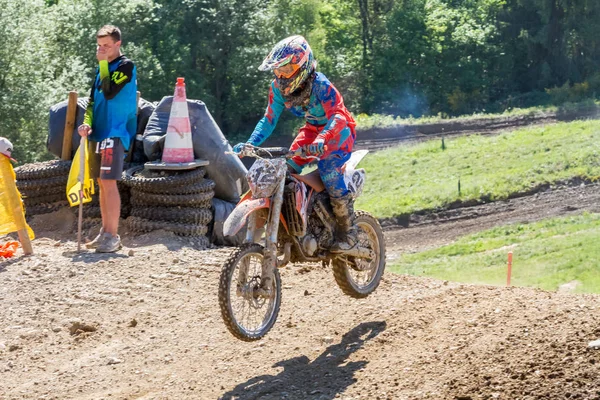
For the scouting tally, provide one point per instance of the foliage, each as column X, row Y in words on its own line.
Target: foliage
column 546, row 254
column 424, row 177
column 396, row 57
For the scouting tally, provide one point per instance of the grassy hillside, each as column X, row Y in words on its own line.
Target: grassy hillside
column 424, row 176
column 546, row 254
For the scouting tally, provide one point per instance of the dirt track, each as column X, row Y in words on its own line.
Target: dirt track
column 147, row 326
column 145, row 323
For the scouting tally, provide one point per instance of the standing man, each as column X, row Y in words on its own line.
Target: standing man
column 110, row 123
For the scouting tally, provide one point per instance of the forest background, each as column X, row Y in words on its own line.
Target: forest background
column 395, row 57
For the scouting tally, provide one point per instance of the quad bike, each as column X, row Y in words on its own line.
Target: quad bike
column 295, row 215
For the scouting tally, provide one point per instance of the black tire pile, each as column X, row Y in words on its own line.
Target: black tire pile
column 92, row 216
column 43, row 186
column 179, row 202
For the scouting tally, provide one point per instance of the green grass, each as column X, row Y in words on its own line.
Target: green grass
column 365, row 121
column 546, row 254
column 411, row 178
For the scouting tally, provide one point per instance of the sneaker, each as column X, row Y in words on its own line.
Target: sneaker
column 94, row 243
column 109, row 244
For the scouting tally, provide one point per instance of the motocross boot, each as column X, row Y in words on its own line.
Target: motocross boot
column 343, row 210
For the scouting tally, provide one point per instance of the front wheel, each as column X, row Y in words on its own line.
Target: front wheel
column 358, row 277
column 248, row 315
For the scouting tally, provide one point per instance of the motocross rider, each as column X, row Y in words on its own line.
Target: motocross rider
column 329, row 132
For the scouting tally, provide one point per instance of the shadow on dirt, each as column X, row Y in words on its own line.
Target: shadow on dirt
column 324, row 378
column 164, row 238
column 6, row 262
column 90, row 256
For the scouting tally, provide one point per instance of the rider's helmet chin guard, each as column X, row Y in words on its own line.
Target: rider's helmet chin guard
column 292, row 62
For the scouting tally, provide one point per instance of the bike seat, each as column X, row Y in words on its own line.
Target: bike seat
column 312, row 179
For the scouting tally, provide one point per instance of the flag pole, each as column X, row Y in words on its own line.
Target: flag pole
column 82, row 148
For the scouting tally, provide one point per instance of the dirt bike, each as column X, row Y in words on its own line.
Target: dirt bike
column 295, row 215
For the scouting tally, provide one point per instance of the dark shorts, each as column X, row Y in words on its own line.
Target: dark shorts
column 106, row 159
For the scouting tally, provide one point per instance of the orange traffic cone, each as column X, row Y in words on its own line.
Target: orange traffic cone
column 178, row 152
column 178, row 143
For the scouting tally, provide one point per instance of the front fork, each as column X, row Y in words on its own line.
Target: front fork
column 270, row 255
column 270, row 252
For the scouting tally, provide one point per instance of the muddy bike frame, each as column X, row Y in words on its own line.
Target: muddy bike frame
column 250, row 283
column 271, row 232
column 271, row 196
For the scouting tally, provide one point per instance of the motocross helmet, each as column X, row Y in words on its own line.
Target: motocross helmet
column 292, row 62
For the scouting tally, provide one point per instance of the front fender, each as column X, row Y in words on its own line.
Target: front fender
column 240, row 214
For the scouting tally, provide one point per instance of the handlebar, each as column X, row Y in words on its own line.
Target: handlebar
column 271, row 152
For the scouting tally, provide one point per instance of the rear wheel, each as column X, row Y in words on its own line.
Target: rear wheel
column 358, row 277
column 247, row 315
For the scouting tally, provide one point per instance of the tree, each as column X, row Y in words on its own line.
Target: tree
column 400, row 57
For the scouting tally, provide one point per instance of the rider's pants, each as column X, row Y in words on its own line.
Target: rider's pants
column 330, row 165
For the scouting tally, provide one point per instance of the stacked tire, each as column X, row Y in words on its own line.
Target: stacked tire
column 92, row 209
column 92, row 215
column 125, row 194
column 92, row 218
column 43, row 186
column 179, row 202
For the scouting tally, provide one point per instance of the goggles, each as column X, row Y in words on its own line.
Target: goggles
column 286, row 71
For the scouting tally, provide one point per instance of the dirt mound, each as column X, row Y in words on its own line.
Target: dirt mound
column 144, row 323
column 147, row 326
column 55, row 223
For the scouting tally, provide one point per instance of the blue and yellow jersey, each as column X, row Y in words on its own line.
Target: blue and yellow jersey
column 112, row 109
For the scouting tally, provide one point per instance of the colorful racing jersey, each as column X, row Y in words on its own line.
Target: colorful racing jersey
column 111, row 111
column 325, row 110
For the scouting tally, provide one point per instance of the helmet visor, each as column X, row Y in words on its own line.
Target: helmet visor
column 286, row 71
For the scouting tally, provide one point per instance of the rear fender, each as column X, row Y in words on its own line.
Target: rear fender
column 355, row 178
column 355, row 158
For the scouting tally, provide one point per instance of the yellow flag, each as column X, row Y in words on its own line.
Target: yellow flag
column 73, row 184
column 12, row 218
